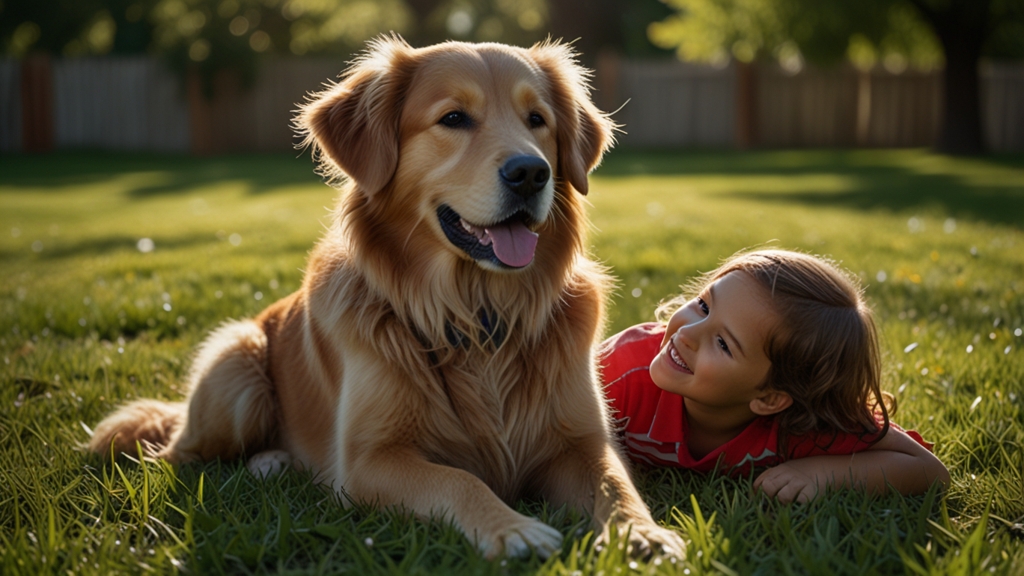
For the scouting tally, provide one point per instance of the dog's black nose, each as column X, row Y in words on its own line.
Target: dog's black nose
column 525, row 175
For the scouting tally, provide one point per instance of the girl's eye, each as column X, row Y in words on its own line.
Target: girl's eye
column 455, row 119
column 724, row 346
column 703, row 306
column 536, row 120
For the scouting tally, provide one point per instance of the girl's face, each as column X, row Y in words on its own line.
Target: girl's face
column 713, row 353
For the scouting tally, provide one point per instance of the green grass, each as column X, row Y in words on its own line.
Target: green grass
column 87, row 320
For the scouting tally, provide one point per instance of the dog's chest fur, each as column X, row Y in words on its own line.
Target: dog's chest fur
column 494, row 405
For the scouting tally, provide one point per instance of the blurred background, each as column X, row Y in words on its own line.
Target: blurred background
column 223, row 76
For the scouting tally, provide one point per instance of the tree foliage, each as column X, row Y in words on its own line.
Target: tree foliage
column 865, row 31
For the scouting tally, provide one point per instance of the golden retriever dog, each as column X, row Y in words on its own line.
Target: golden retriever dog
column 439, row 354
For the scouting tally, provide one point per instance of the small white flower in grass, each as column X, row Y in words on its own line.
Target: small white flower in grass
column 258, row 295
column 949, row 225
column 924, row 371
column 235, row 239
column 975, row 404
column 881, row 276
column 636, row 292
column 910, row 347
column 1007, row 349
column 37, row 246
column 970, row 348
column 368, row 542
column 167, row 306
column 633, row 565
column 145, row 245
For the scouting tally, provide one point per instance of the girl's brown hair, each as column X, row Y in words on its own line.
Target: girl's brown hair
column 824, row 348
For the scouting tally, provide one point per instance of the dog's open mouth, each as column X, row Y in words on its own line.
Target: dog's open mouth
column 509, row 243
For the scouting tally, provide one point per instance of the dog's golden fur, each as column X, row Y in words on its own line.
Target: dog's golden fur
column 405, row 371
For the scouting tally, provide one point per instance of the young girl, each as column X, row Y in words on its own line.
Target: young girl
column 771, row 360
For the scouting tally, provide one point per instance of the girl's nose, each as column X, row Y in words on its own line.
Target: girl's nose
column 687, row 336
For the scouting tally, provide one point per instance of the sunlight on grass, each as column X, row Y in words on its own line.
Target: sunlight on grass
column 114, row 267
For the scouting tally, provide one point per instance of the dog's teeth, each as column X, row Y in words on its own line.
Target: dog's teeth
column 467, row 226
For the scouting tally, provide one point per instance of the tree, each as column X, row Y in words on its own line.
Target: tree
column 925, row 33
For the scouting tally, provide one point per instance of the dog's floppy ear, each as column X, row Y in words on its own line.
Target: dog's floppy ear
column 584, row 133
column 353, row 125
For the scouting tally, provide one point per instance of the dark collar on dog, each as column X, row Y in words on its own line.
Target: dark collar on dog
column 492, row 329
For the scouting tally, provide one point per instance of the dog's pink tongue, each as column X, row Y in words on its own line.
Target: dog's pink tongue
column 514, row 243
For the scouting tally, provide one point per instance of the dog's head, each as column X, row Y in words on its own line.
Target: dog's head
column 478, row 143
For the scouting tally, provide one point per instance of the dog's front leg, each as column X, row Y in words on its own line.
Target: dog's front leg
column 383, row 414
column 593, row 477
column 401, row 477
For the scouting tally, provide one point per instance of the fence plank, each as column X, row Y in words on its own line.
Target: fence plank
column 1002, row 99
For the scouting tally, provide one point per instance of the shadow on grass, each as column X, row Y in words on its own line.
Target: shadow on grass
column 106, row 245
column 263, row 172
column 893, row 180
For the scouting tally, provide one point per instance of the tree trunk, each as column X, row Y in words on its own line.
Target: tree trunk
column 961, row 117
column 962, row 27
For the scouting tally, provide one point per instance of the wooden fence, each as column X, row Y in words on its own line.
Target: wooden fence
column 134, row 103
column 121, row 104
column 678, row 104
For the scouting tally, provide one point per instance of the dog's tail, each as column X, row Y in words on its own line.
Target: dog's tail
column 149, row 422
column 231, row 406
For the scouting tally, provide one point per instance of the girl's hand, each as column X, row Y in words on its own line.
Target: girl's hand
column 793, row 481
column 895, row 461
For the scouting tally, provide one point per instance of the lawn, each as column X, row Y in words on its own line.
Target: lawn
column 114, row 267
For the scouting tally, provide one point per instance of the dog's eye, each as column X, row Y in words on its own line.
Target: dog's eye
column 536, row 120
column 455, row 120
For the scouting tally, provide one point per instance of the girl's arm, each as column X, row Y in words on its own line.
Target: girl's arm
column 895, row 460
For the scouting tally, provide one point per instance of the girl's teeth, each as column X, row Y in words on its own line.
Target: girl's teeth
column 676, row 358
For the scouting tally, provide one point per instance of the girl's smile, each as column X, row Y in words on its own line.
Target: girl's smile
column 713, row 353
column 674, row 355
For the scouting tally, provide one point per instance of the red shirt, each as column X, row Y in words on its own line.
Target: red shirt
column 653, row 422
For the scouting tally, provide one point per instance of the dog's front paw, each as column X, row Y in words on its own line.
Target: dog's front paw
column 519, row 537
column 269, row 463
column 647, row 539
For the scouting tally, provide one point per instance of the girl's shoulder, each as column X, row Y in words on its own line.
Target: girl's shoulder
column 634, row 335
column 632, row 348
column 841, row 443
